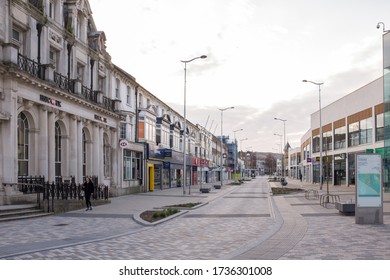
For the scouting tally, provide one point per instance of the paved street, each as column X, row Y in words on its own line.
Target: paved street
column 235, row 222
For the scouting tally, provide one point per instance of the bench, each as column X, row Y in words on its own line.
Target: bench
column 204, row 190
column 347, row 208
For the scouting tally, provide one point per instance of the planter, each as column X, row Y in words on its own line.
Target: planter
column 217, row 187
column 204, row 190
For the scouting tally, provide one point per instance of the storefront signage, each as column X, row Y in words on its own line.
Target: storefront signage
column 123, row 143
column 167, row 153
column 369, row 180
column 50, row 101
column 99, row 118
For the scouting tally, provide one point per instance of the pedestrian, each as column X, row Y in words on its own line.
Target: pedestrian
column 88, row 191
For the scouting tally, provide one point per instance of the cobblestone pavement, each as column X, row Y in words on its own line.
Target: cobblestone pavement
column 236, row 222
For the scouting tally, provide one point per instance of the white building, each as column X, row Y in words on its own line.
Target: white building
column 351, row 125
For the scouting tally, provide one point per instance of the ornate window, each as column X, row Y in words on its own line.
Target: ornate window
column 23, row 145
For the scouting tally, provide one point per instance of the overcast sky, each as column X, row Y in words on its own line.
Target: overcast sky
column 258, row 53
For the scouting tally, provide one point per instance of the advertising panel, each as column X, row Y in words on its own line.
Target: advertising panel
column 369, row 180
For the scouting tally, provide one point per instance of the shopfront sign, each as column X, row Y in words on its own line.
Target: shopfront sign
column 50, row 100
column 123, row 144
column 100, row 118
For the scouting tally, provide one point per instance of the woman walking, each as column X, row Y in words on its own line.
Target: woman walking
column 88, row 190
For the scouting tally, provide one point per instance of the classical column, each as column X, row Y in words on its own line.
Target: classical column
column 96, row 151
column 73, row 151
column 43, row 143
column 115, row 157
column 79, row 158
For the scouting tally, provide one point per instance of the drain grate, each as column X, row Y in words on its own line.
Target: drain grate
column 60, row 225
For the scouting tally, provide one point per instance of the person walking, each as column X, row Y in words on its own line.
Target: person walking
column 88, row 191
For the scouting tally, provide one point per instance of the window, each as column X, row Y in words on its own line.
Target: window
column 379, row 127
column 106, row 157
column 80, row 72
column 23, row 145
column 122, row 132
column 51, row 9
column 339, row 137
column 316, row 144
column 16, row 35
column 327, row 141
column 360, row 132
column 18, row 39
column 353, row 134
column 365, row 131
column 58, row 149
column 53, row 56
column 128, row 96
column 102, row 84
column 131, row 165
column 117, row 89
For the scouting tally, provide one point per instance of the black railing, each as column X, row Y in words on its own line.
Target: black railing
column 63, row 82
column 37, row 4
column 38, row 70
column 32, row 67
column 67, row 190
column 108, row 104
column 88, row 94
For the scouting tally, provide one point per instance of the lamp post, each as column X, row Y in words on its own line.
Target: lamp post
column 242, row 150
column 224, row 109
column 235, row 154
column 281, row 149
column 319, row 102
column 184, row 179
column 284, row 142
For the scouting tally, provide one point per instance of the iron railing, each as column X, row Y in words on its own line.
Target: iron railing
column 58, row 190
column 63, row 82
column 32, row 67
column 38, row 70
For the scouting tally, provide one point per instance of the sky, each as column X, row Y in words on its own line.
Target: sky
column 258, row 53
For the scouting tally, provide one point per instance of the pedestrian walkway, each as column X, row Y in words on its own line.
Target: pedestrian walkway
column 236, row 222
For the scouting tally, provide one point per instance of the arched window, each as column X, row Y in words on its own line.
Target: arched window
column 107, row 157
column 23, row 145
column 58, row 149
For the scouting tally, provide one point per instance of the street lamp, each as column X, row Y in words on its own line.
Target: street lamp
column 224, row 109
column 319, row 102
column 235, row 154
column 184, row 179
column 281, row 149
column 284, row 142
column 241, row 152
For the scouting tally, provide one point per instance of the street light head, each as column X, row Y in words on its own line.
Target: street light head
column 203, row 56
column 305, row 81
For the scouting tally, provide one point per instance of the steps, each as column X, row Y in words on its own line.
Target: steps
column 18, row 212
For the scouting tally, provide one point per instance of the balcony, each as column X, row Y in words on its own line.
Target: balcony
column 63, row 82
column 31, row 67
column 74, row 87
